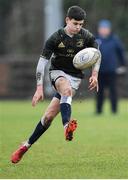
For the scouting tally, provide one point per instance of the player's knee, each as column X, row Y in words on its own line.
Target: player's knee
column 67, row 92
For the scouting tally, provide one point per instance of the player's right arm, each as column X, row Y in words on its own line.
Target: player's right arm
column 39, row 94
column 48, row 50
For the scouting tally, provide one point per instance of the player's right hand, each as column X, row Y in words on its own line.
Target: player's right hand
column 39, row 95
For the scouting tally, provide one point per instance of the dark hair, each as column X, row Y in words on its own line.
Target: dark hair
column 76, row 12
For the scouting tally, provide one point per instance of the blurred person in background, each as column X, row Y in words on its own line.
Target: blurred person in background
column 112, row 52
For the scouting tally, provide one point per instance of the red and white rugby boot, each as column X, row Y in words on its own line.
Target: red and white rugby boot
column 18, row 154
column 69, row 129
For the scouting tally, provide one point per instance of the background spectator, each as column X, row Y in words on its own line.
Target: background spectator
column 112, row 52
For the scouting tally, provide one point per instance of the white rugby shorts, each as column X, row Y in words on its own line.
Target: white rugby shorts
column 74, row 81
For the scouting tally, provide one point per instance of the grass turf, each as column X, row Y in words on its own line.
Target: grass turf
column 99, row 149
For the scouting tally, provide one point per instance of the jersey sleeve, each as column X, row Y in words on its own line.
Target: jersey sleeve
column 50, row 46
column 90, row 40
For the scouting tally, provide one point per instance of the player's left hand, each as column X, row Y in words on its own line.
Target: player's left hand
column 93, row 83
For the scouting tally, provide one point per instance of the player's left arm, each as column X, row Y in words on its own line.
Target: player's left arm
column 93, row 80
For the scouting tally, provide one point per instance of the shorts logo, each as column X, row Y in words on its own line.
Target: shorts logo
column 61, row 45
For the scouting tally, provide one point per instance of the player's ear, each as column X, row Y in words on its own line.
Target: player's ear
column 67, row 19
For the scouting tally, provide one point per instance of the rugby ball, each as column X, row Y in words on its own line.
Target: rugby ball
column 86, row 58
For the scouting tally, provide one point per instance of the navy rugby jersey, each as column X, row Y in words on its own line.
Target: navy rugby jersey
column 63, row 48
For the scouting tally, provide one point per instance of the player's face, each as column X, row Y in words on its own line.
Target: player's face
column 73, row 26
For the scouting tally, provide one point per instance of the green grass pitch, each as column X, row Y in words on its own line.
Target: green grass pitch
column 99, row 148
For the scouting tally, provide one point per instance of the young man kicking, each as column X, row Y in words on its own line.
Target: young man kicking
column 61, row 47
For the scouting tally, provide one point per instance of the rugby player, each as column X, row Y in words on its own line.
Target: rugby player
column 61, row 47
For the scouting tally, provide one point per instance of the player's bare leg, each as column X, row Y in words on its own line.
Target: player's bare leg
column 42, row 126
column 64, row 88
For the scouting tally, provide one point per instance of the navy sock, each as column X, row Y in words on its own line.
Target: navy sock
column 39, row 130
column 65, row 109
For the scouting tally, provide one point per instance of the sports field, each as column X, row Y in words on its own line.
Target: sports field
column 99, row 149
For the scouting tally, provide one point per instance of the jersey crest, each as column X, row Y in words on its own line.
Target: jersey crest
column 80, row 43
